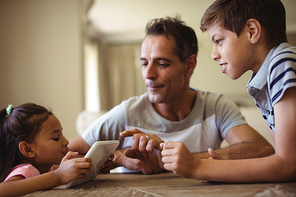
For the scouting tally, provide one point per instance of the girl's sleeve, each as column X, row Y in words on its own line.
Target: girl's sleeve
column 25, row 170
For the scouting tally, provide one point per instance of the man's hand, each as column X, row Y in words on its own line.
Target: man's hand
column 143, row 142
column 152, row 159
column 214, row 155
column 145, row 152
column 133, row 161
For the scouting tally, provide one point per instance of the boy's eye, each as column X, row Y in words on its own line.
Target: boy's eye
column 56, row 139
column 218, row 41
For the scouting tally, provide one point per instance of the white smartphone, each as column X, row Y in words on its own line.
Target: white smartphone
column 99, row 153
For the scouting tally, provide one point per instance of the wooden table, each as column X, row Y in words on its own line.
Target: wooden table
column 166, row 184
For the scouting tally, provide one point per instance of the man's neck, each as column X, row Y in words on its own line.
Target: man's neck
column 178, row 110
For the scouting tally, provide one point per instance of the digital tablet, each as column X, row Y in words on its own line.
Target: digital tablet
column 99, row 153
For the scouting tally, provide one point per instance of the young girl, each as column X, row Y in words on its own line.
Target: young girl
column 31, row 142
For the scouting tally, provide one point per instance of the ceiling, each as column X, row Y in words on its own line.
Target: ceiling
column 125, row 20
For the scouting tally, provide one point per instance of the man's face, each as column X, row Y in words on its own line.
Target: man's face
column 163, row 73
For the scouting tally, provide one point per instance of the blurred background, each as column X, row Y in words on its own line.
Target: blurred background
column 83, row 55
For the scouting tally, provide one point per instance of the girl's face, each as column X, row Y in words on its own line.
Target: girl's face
column 50, row 146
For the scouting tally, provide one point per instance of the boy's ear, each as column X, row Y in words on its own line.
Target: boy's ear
column 191, row 63
column 254, row 30
column 26, row 149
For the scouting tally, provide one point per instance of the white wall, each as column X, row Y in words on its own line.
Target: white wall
column 41, row 57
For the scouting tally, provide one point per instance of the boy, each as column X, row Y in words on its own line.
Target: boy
column 250, row 35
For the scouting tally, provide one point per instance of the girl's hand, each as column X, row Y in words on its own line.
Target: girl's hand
column 73, row 168
column 177, row 158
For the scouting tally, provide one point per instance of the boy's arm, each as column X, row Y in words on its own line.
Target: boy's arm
column 244, row 142
column 278, row 167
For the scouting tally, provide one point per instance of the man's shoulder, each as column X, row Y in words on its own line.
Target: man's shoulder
column 208, row 97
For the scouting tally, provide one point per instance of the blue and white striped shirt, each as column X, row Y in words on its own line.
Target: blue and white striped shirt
column 276, row 75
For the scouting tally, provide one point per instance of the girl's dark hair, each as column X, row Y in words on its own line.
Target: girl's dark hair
column 185, row 37
column 23, row 124
column 234, row 14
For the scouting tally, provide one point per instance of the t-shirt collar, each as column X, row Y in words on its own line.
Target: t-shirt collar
column 259, row 79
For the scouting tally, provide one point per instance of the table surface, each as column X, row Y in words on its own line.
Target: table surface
column 165, row 184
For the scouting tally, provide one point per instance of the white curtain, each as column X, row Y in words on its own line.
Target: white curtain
column 120, row 75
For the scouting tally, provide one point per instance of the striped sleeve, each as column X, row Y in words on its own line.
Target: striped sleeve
column 282, row 74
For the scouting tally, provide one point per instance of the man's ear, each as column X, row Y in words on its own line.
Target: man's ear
column 26, row 149
column 254, row 30
column 191, row 64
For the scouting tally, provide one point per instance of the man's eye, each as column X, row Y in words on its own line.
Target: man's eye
column 163, row 65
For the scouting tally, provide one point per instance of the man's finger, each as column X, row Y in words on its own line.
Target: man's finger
column 130, row 153
column 128, row 133
column 152, row 144
column 145, row 169
column 142, row 145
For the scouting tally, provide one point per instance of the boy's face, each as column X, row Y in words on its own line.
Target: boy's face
column 233, row 53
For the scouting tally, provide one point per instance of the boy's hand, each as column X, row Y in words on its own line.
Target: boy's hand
column 73, row 168
column 177, row 158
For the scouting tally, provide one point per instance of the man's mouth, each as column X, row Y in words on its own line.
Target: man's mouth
column 153, row 86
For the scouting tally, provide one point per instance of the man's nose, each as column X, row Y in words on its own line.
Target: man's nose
column 150, row 71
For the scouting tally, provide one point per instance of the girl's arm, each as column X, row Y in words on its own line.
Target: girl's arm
column 278, row 167
column 69, row 170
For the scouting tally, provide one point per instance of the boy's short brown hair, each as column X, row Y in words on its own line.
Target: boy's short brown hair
column 234, row 14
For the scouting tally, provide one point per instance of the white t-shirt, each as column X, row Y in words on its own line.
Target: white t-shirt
column 204, row 127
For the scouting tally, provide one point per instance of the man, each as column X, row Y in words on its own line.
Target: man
column 171, row 110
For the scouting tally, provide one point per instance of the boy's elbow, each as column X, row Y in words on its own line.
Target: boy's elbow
column 287, row 171
column 289, row 174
